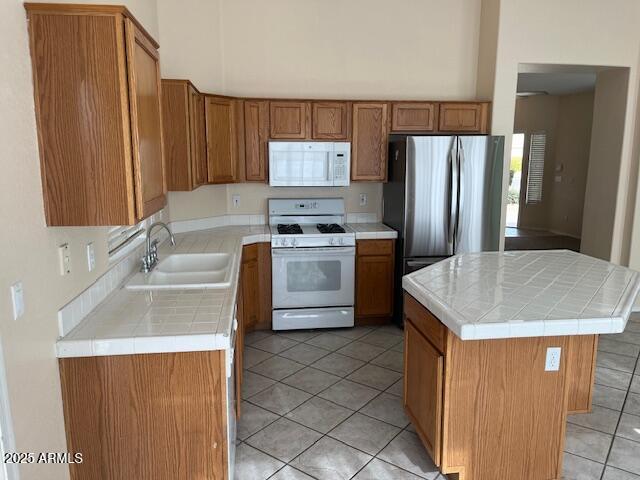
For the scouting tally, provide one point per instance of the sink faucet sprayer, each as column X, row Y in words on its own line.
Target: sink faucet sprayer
column 150, row 257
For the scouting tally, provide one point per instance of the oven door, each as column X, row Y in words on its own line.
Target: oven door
column 313, row 277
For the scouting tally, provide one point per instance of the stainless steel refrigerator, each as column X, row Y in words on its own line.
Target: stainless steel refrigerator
column 443, row 197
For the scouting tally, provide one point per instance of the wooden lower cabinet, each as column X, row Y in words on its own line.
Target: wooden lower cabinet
column 487, row 409
column 374, row 281
column 148, row 417
column 256, row 286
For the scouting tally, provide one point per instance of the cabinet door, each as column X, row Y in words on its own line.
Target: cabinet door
column 250, row 287
column 330, row 120
column 221, row 140
column 423, row 380
column 412, row 117
column 146, row 122
column 198, row 137
column 289, row 120
column 256, row 136
column 369, row 145
column 178, row 152
column 374, row 278
column 463, row 117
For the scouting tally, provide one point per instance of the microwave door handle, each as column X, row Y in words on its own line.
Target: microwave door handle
column 330, row 161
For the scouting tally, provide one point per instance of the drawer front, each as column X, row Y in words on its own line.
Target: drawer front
column 375, row 247
column 425, row 322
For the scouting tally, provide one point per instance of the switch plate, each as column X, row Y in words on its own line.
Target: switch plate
column 64, row 259
column 91, row 257
column 363, row 199
column 235, row 200
column 552, row 363
column 17, row 299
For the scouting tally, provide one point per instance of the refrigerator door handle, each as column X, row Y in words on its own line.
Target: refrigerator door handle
column 460, row 167
column 454, row 185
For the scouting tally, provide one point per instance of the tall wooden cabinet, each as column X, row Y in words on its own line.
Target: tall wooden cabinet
column 223, row 152
column 183, row 125
column 369, row 144
column 97, row 97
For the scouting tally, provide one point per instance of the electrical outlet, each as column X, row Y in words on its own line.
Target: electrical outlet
column 64, row 259
column 552, row 363
column 17, row 300
column 91, row 257
column 235, row 200
column 363, row 199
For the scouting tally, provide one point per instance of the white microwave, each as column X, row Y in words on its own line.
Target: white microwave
column 309, row 164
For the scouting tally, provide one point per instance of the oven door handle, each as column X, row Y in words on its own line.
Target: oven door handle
column 312, row 250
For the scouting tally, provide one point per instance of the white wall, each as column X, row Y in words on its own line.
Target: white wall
column 29, row 252
column 577, row 32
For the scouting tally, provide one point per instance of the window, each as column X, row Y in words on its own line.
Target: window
column 123, row 240
column 535, row 174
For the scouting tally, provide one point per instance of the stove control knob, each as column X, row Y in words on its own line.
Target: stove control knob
column 294, row 242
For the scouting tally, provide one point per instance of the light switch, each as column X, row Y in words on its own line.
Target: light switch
column 363, row 199
column 64, row 259
column 17, row 299
column 91, row 257
column 235, row 199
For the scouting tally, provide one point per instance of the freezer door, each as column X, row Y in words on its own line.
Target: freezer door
column 480, row 160
column 430, row 196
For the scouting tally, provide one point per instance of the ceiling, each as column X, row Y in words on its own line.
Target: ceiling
column 557, row 83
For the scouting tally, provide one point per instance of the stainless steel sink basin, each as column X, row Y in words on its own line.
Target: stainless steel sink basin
column 184, row 271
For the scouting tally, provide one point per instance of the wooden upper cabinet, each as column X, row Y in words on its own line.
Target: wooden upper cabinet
column 198, row 134
column 330, row 120
column 222, row 148
column 463, row 117
column 369, row 143
column 256, row 137
column 413, row 117
column 184, row 135
column 97, row 98
column 290, row 120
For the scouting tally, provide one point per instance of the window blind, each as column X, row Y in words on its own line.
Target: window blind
column 535, row 175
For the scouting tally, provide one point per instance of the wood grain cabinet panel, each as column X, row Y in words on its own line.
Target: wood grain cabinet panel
column 412, row 117
column 581, row 358
column 155, row 416
column 184, row 135
column 423, row 384
column 374, row 281
column 369, row 144
column 463, row 117
column 256, row 138
column 290, row 120
column 97, row 98
column 222, row 149
column 330, row 120
column 256, row 286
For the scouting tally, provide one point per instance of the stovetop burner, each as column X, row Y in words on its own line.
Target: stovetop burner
column 289, row 229
column 330, row 228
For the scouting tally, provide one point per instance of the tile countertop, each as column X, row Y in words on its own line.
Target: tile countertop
column 526, row 294
column 130, row 322
column 372, row 231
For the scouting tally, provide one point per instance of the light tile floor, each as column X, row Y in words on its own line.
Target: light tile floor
column 327, row 405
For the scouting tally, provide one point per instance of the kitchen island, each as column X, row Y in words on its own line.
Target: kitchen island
column 499, row 347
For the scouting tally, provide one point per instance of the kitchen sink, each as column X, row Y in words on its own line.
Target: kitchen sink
column 184, row 271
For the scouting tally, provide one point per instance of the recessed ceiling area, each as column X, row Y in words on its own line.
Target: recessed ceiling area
column 557, row 83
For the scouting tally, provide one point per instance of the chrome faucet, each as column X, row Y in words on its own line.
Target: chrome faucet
column 150, row 258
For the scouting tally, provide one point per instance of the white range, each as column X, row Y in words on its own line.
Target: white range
column 313, row 263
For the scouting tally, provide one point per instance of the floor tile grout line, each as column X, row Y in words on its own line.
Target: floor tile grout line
column 606, row 462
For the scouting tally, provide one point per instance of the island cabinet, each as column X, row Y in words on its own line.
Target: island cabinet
column 97, row 99
column 369, row 144
column 256, row 286
column 184, row 132
column 374, row 281
column 488, row 409
column 225, row 138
